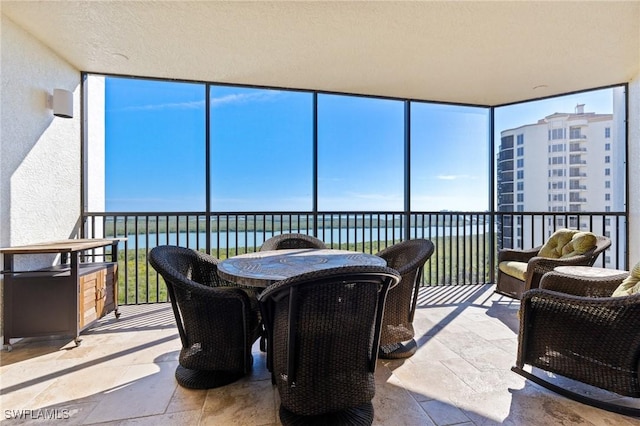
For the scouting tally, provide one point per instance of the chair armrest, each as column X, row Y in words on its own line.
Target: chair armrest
column 517, row 255
column 538, row 266
column 207, row 291
column 583, row 309
column 580, row 286
column 543, row 265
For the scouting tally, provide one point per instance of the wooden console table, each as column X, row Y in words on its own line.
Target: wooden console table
column 63, row 299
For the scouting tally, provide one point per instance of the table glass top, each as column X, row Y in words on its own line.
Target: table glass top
column 589, row 271
column 263, row 268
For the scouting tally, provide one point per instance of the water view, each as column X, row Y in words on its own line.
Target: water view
column 247, row 239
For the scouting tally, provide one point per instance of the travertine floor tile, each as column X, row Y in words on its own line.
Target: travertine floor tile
column 184, row 399
column 428, row 381
column 141, row 390
column 178, row 419
column 443, row 413
column 394, row 405
column 123, row 374
column 432, row 349
column 244, row 402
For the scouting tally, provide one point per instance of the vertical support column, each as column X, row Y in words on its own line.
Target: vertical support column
column 407, row 170
column 74, row 314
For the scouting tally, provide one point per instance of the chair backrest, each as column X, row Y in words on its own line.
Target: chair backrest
column 602, row 243
column 292, row 241
column 408, row 258
column 212, row 320
column 180, row 263
column 568, row 243
column 323, row 332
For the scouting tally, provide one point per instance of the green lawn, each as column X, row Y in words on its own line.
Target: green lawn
column 455, row 261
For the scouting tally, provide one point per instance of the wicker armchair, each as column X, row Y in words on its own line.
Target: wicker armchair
column 292, row 241
column 217, row 323
column 408, row 258
column 323, row 329
column 536, row 266
column 571, row 326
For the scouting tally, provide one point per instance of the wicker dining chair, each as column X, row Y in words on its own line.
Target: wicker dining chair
column 578, row 327
column 323, row 329
column 292, row 241
column 408, row 258
column 217, row 323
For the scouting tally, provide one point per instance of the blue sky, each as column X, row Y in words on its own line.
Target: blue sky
column 261, row 143
column 512, row 116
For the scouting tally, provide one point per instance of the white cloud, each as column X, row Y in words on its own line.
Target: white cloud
column 455, row 177
column 239, row 98
column 173, row 105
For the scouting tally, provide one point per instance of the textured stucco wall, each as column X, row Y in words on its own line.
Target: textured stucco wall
column 40, row 172
column 39, row 153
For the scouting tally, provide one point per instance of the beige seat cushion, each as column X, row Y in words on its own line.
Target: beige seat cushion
column 567, row 243
column 631, row 284
column 514, row 269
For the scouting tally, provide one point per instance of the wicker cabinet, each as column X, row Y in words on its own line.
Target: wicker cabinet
column 63, row 299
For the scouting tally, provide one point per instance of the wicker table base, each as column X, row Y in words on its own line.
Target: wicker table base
column 356, row 416
column 398, row 350
column 199, row 379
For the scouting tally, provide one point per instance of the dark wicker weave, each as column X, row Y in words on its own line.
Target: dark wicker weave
column 570, row 327
column 408, row 258
column 292, row 241
column 538, row 266
column 217, row 323
column 323, row 332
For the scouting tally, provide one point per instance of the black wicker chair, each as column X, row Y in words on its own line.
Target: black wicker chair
column 292, row 241
column 570, row 326
column 217, row 322
column 408, row 258
column 323, row 329
column 537, row 266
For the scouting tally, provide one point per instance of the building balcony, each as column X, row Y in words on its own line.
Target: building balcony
column 577, row 138
column 123, row 372
column 574, row 147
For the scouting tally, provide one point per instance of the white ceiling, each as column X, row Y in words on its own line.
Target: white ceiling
column 475, row 52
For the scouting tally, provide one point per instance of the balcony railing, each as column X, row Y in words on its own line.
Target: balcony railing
column 466, row 243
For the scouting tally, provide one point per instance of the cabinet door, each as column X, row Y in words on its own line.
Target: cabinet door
column 111, row 288
column 101, row 292
column 98, row 291
column 87, row 301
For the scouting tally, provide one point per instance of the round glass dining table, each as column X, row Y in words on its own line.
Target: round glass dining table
column 263, row 268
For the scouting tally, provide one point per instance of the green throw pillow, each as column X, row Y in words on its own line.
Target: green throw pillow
column 581, row 243
column 554, row 248
column 631, row 284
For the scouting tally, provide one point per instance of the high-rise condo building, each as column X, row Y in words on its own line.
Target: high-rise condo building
column 565, row 164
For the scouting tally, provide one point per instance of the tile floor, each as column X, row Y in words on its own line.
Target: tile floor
column 122, row 374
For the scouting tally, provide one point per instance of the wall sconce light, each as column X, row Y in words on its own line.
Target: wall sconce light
column 61, row 102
